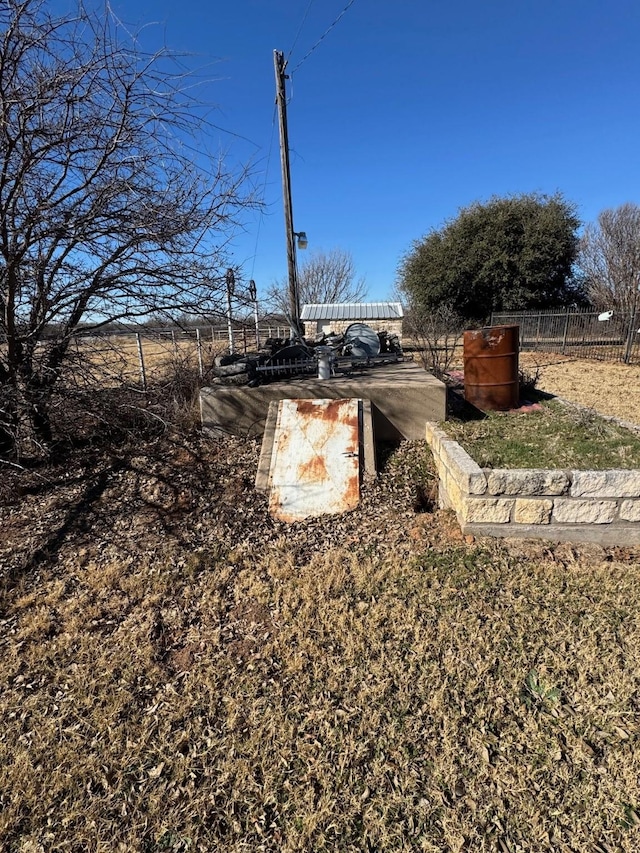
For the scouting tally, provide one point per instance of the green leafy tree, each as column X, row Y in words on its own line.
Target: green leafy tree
column 514, row 252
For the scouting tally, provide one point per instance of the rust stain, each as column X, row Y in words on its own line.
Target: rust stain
column 326, row 479
column 313, row 470
column 333, row 411
column 352, row 493
column 306, row 407
column 336, row 411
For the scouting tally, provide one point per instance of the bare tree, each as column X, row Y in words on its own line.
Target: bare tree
column 438, row 334
column 326, row 277
column 108, row 209
column 609, row 258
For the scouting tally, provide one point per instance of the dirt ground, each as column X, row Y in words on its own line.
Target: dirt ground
column 611, row 388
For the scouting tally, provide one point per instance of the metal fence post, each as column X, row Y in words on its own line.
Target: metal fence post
column 230, row 280
column 143, row 375
column 630, row 336
column 199, row 346
column 566, row 329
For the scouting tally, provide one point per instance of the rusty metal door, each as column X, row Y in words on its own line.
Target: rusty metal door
column 315, row 466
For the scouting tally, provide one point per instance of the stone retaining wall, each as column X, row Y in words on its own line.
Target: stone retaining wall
column 600, row 506
column 338, row 327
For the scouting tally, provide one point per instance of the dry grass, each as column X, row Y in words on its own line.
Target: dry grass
column 609, row 388
column 182, row 673
column 114, row 360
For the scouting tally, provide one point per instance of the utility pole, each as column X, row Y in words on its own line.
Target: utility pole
column 280, row 65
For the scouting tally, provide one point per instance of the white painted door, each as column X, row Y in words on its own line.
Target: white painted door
column 315, row 466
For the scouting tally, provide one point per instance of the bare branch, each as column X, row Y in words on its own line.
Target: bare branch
column 110, row 208
column 326, row 277
column 609, row 258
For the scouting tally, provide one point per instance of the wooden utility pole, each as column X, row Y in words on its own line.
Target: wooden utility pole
column 280, row 64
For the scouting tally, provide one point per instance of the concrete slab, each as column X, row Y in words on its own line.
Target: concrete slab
column 369, row 464
column 263, row 474
column 602, row 534
column 403, row 397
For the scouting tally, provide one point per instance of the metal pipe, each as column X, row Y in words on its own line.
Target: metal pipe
column 325, row 357
column 230, row 280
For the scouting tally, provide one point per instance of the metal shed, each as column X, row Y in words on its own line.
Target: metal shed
column 336, row 316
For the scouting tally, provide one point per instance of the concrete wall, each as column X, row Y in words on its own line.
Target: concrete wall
column 403, row 397
column 598, row 506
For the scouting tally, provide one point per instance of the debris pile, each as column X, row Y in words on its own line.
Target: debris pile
column 359, row 346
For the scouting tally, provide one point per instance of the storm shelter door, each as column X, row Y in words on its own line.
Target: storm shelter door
column 315, row 466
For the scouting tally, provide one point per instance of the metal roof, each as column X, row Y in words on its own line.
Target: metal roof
column 353, row 311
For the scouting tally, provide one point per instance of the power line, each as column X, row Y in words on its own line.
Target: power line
column 264, row 188
column 324, row 34
column 295, row 41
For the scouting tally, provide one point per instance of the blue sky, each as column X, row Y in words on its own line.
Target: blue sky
column 409, row 110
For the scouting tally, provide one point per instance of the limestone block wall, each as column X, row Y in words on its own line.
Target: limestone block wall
column 599, row 506
column 393, row 327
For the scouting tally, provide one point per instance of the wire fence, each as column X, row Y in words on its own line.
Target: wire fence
column 141, row 357
column 582, row 333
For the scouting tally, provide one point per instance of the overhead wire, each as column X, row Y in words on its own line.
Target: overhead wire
column 304, row 18
column 324, row 34
column 273, row 124
column 304, row 58
column 264, row 190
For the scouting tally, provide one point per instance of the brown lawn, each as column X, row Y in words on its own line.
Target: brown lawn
column 182, row 673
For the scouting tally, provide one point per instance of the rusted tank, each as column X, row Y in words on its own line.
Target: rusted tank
column 491, row 367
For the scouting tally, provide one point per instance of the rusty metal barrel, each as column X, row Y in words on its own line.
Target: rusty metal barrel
column 491, row 367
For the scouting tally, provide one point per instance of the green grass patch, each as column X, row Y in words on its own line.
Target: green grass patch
column 557, row 436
